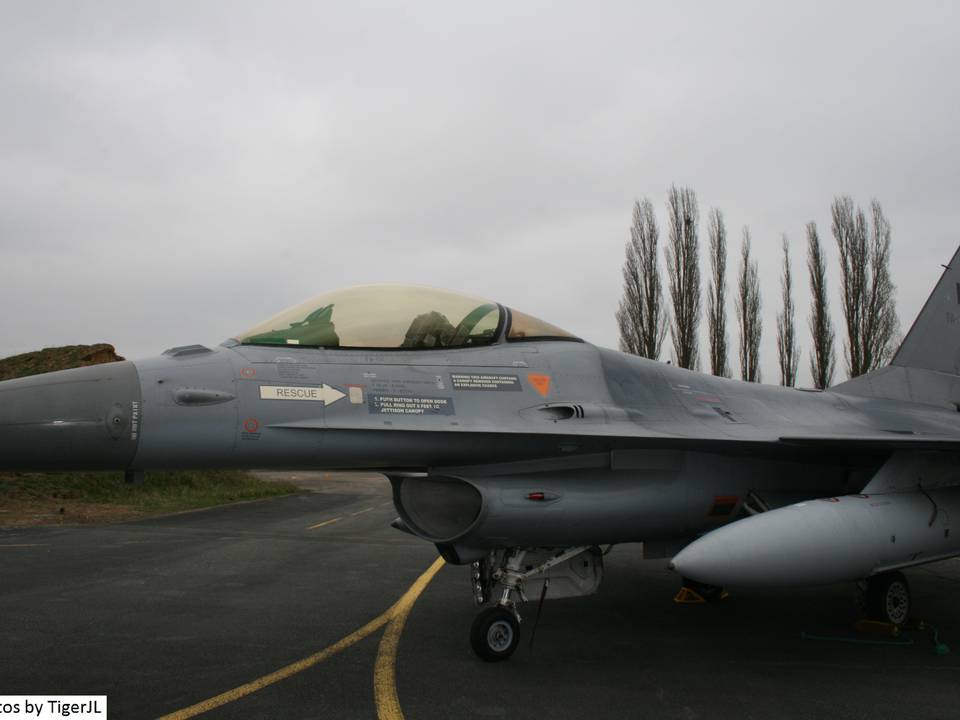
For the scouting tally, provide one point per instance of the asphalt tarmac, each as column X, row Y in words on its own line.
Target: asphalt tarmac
column 237, row 604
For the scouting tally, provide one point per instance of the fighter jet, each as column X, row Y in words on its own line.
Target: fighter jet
column 526, row 452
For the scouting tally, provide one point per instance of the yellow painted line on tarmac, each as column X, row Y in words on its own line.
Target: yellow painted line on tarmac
column 23, row 545
column 385, row 669
column 388, row 679
column 321, row 524
column 361, row 512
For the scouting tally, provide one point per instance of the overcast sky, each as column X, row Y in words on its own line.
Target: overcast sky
column 173, row 173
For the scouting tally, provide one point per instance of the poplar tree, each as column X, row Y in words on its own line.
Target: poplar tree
column 683, row 266
column 641, row 317
column 821, row 326
column 717, row 295
column 787, row 352
column 867, row 291
column 748, row 312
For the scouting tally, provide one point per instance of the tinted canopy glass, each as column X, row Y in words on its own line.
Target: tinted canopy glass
column 527, row 327
column 382, row 316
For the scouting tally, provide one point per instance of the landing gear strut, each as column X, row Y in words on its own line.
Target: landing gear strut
column 495, row 633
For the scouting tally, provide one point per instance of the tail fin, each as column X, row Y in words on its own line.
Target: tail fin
column 926, row 367
column 933, row 342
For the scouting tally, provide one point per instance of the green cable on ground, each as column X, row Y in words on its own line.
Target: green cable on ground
column 939, row 648
column 853, row 641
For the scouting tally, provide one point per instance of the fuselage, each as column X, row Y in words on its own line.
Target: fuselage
column 630, row 449
column 249, row 406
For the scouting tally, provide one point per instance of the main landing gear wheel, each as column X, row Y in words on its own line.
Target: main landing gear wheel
column 495, row 634
column 888, row 598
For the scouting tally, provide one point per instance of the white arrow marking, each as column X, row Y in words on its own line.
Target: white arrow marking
column 330, row 394
column 325, row 394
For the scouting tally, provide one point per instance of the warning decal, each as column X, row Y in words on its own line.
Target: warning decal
column 482, row 381
column 407, row 405
column 540, row 383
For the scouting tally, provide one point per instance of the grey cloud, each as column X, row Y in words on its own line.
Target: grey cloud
column 173, row 172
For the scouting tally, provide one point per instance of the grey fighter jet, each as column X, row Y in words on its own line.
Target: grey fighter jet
column 522, row 450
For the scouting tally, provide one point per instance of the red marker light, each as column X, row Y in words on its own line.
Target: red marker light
column 536, row 496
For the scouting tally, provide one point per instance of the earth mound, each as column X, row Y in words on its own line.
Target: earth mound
column 57, row 358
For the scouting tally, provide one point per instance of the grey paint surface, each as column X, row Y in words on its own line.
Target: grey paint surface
column 74, row 419
column 930, row 345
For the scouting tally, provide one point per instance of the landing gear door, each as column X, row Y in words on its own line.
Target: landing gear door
column 580, row 575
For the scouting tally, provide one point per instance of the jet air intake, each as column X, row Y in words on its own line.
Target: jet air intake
column 82, row 419
column 438, row 508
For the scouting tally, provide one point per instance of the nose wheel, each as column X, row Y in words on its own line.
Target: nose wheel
column 495, row 634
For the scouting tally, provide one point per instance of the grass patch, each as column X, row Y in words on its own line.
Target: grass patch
column 41, row 498
column 162, row 492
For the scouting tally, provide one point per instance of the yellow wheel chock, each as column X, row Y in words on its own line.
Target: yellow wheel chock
column 878, row 627
column 689, row 596
column 686, row 596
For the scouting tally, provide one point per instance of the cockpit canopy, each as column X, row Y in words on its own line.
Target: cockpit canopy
column 398, row 317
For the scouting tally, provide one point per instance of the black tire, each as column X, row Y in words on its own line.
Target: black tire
column 888, row 598
column 495, row 634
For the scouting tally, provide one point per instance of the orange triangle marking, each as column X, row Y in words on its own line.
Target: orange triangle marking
column 541, row 383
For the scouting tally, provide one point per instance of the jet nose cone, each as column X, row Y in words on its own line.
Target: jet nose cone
column 82, row 419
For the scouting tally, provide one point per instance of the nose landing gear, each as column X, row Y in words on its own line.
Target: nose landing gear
column 495, row 632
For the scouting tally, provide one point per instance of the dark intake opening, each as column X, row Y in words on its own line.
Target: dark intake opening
column 441, row 508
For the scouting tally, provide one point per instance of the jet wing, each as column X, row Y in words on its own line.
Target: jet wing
column 894, row 441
